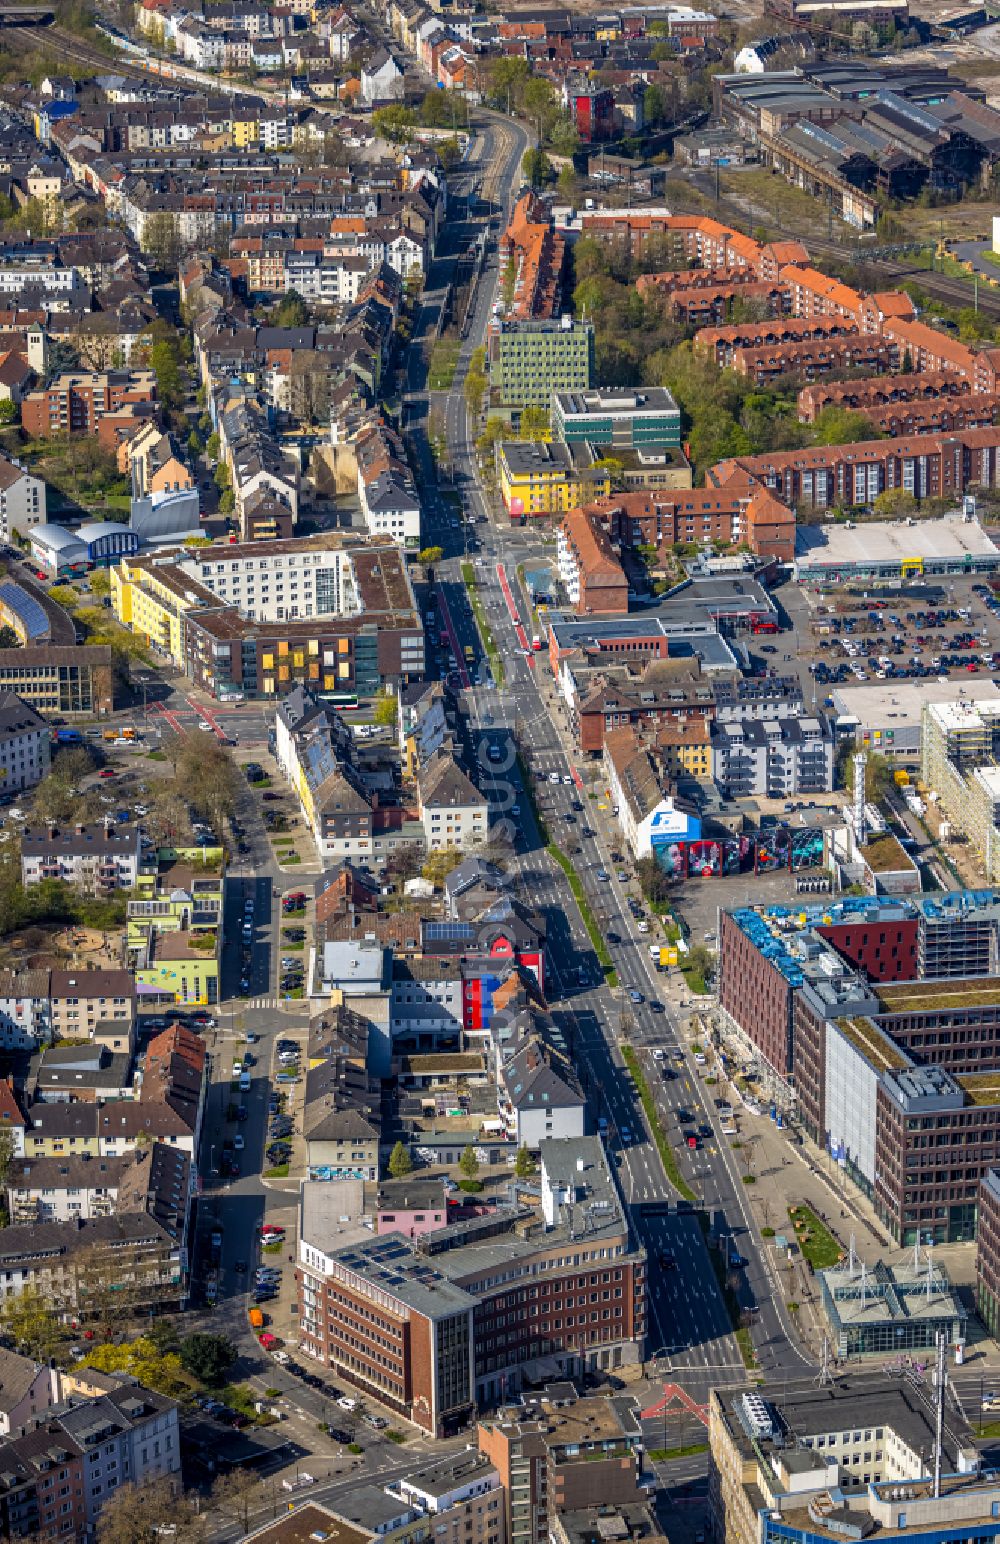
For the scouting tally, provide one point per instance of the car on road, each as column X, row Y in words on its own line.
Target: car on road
column 635, row 997
column 106, row 772
column 238, row 1142
column 554, row 777
column 568, row 779
column 613, row 938
column 684, row 1114
column 603, row 876
column 347, row 1403
column 668, row 1260
column 655, row 1006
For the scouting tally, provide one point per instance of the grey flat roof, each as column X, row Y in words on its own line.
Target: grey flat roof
column 947, row 538
column 687, row 638
column 899, row 704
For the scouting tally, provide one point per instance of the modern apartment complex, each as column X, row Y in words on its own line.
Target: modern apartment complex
column 255, row 620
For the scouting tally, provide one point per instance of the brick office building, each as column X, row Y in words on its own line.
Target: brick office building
column 887, row 1020
column 434, row 1328
column 988, row 1252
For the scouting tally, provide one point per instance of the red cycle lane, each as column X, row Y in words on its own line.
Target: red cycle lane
column 515, row 615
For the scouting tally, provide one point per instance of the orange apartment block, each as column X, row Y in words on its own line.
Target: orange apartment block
column 538, row 253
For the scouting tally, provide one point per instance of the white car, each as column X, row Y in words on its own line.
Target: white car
column 204, row 724
column 238, row 1142
column 347, row 1403
column 567, row 778
column 554, row 777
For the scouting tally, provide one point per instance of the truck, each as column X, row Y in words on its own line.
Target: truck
column 256, row 1318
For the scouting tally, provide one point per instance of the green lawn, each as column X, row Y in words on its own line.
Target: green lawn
column 280, row 1171
column 815, row 1240
column 485, row 632
column 444, row 361
column 666, row 1455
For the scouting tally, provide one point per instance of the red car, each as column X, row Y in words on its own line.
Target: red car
column 106, row 772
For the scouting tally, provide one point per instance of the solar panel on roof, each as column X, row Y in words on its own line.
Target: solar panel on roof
column 448, row 931
column 26, row 609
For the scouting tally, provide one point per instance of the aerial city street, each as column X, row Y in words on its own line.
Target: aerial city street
column 499, row 772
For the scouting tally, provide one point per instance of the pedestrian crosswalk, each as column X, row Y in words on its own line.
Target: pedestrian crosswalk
column 262, row 1002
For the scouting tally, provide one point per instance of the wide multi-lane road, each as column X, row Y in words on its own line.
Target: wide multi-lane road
column 689, row 1320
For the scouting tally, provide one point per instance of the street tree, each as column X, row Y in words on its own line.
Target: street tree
column 135, row 1514
column 31, row 1319
column 237, row 1494
column 469, row 1163
column 207, row 1357
column 309, row 386
column 160, row 239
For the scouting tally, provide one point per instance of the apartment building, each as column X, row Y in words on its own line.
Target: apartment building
column 432, row 1333
column 557, row 1452
column 813, row 359
column 27, row 1388
column 644, row 799
column 588, row 567
column 741, row 511
column 541, row 477
column 958, row 741
column 25, row 744
column 776, row 759
column 882, row 393
column 257, row 619
column 78, row 403
column 451, row 809
column 533, row 253
column 94, row 859
column 22, row 500
column 926, row 465
column 787, row 332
